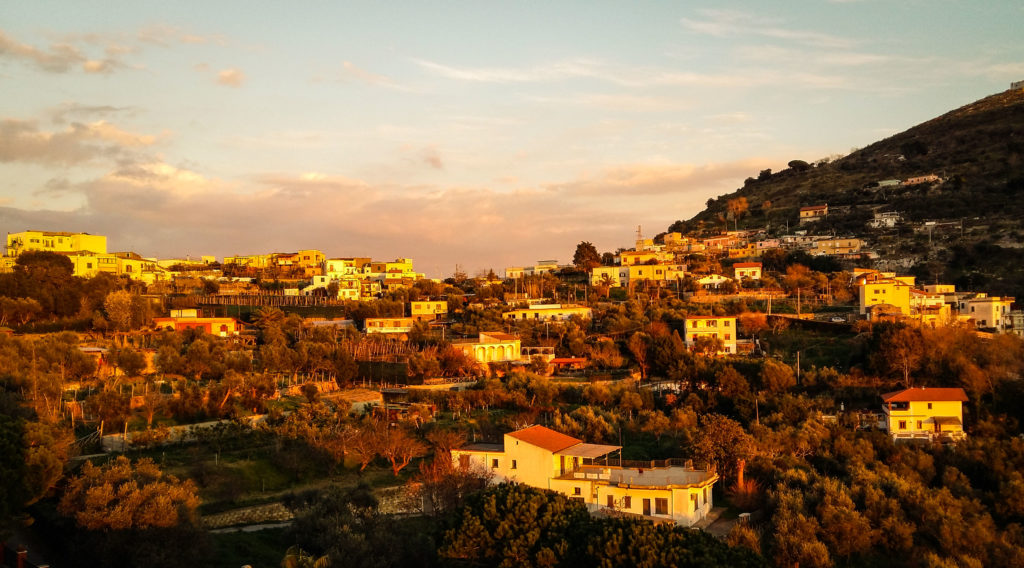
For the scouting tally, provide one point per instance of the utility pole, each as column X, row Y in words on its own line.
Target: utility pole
column 798, row 367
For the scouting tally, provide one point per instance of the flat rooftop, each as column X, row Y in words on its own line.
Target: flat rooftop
column 642, row 477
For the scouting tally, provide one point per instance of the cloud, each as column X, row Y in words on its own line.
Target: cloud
column 662, row 178
column 64, row 56
column 560, row 70
column 351, row 72
column 632, row 77
column 165, row 210
column 59, row 58
column 231, row 77
column 428, row 155
column 69, row 110
column 23, row 141
column 731, row 23
column 166, row 35
column 619, row 102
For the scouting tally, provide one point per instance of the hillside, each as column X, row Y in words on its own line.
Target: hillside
column 978, row 152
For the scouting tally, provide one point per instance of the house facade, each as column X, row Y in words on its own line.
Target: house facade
column 883, row 288
column 428, row 310
column 813, row 213
column 987, row 312
column 925, row 414
column 592, row 474
column 222, row 327
column 749, row 270
column 715, row 327
column 549, row 312
column 491, row 347
column 388, row 325
column 53, row 241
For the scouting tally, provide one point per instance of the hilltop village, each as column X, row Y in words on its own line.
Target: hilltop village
column 779, row 390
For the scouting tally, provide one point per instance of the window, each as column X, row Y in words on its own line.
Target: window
column 903, row 424
column 918, row 424
column 611, row 501
column 494, row 463
column 705, row 495
column 929, row 406
column 513, row 464
column 627, row 502
column 576, row 491
column 726, row 323
column 661, row 506
column 728, row 336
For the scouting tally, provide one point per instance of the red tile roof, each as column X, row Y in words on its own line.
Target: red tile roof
column 747, row 265
column 545, row 438
column 926, row 394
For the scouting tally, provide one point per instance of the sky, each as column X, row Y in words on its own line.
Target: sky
column 471, row 134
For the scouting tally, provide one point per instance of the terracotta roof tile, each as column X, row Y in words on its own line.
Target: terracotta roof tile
column 926, row 394
column 545, row 438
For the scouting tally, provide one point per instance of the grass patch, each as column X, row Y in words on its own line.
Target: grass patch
column 259, row 549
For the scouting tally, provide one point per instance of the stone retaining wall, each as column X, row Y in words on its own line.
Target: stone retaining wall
column 269, row 513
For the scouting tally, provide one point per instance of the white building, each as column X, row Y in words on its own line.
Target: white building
column 594, row 475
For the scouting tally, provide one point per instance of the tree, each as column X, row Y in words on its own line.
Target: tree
column 736, row 208
column 586, row 257
column 118, row 306
column 637, row 345
column 295, row 557
column 514, row 525
column 128, row 360
column 707, row 345
column 123, row 495
column 898, row 349
column 776, row 376
column 724, row 444
column 797, row 279
column 400, row 447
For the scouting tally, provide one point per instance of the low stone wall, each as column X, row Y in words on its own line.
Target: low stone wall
column 270, row 513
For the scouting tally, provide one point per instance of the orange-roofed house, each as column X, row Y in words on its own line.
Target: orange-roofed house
column 925, row 414
column 751, row 270
column 594, row 474
column 813, row 213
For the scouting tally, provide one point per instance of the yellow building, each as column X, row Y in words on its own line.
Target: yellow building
column 835, row 247
column 634, row 257
column 813, row 213
column 549, row 312
column 337, row 268
column 491, row 347
column 257, row 261
column 877, row 288
column 925, row 414
column 428, row 310
column 594, row 475
column 51, row 241
column 222, row 327
column 748, row 270
column 715, row 327
column 614, row 276
column 744, row 251
column 388, row 325
column 127, row 264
